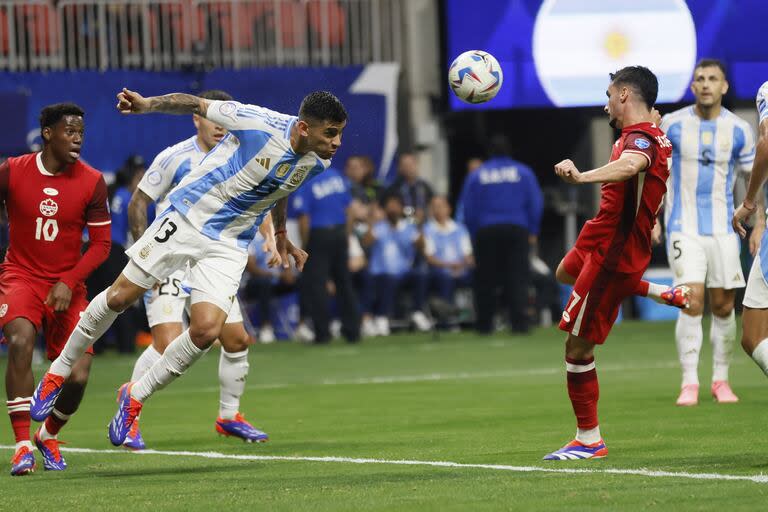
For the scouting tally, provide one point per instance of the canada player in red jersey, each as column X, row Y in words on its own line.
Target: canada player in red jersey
column 50, row 197
column 613, row 250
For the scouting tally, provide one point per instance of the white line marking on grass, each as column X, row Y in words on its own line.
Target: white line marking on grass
column 759, row 479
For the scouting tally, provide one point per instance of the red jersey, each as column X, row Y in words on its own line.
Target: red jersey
column 46, row 217
column 619, row 237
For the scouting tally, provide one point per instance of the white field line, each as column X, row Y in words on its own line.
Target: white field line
column 428, row 377
column 648, row 473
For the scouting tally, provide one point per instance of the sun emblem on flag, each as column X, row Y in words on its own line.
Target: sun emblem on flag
column 616, row 44
column 48, row 207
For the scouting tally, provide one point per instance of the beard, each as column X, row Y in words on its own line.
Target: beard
column 613, row 122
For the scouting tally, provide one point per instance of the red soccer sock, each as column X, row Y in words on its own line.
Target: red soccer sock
column 642, row 288
column 55, row 421
column 18, row 410
column 583, row 391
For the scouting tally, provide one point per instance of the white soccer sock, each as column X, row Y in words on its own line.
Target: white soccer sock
column 28, row 444
column 655, row 290
column 144, row 362
column 689, row 336
column 589, row 435
column 233, row 371
column 180, row 355
column 722, row 334
column 44, row 434
column 760, row 355
column 93, row 323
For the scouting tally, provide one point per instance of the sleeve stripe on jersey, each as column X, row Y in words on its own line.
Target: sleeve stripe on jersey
column 100, row 223
column 639, row 153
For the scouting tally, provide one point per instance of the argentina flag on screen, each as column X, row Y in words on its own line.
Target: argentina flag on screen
column 233, row 188
column 577, row 43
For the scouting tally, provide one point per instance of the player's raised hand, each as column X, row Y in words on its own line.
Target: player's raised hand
column 131, row 102
column 739, row 217
column 567, row 171
column 59, row 297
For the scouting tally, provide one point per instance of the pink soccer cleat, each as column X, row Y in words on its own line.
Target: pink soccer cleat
column 678, row 296
column 689, row 395
column 722, row 392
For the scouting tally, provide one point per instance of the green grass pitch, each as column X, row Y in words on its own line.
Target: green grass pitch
column 498, row 400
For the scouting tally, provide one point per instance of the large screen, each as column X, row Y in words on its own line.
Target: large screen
column 559, row 52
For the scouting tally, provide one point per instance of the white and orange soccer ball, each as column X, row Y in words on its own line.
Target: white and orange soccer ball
column 475, row 76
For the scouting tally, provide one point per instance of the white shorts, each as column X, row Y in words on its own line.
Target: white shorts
column 171, row 242
column 756, row 294
column 163, row 307
column 712, row 260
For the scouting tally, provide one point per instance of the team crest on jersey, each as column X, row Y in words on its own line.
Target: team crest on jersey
column 707, row 137
column 228, row 109
column 154, row 178
column 168, row 309
column 298, row 175
column 48, row 207
column 3, row 310
column 282, row 170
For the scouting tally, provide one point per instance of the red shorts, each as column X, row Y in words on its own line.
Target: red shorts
column 23, row 296
column 597, row 295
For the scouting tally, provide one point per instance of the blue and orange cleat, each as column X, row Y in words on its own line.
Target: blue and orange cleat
column 52, row 459
column 677, row 296
column 128, row 410
column 23, row 462
column 46, row 393
column 576, row 450
column 239, row 427
column 134, row 441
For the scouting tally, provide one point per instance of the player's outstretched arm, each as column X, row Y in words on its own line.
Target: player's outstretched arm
column 131, row 102
column 756, row 181
column 619, row 170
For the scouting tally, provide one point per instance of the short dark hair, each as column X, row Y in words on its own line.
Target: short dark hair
column 641, row 79
column 215, row 94
column 52, row 114
column 499, row 145
column 709, row 63
column 390, row 195
column 322, row 106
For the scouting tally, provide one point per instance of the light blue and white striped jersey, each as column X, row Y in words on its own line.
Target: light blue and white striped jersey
column 705, row 155
column 168, row 169
column 762, row 102
column 393, row 251
column 233, row 188
column 449, row 243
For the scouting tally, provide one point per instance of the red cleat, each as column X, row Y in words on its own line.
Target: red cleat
column 678, row 296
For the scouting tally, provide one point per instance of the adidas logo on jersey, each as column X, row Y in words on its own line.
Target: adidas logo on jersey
column 264, row 162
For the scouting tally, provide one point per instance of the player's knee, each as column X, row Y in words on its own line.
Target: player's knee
column 236, row 343
column 117, row 300
column 578, row 348
column 204, row 332
column 20, row 349
column 722, row 309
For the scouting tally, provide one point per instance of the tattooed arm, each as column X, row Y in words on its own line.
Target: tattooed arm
column 131, row 102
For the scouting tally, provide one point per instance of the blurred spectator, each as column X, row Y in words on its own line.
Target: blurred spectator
column 447, row 248
column 323, row 223
column 362, row 177
column 412, row 189
column 126, row 326
column 263, row 283
column 393, row 243
column 474, row 164
column 502, row 210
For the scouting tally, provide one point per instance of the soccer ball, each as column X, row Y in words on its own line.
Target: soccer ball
column 475, row 76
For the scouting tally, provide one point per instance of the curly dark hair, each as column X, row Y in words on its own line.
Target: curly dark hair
column 641, row 80
column 322, row 106
column 52, row 114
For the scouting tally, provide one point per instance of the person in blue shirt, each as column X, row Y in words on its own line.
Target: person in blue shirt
column 321, row 205
column 447, row 248
column 393, row 243
column 502, row 205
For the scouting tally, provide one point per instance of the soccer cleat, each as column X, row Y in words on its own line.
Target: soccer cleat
column 52, row 459
column 133, row 440
column 722, row 392
column 23, row 462
column 128, row 410
column 239, row 427
column 678, row 296
column 689, row 395
column 576, row 450
column 46, row 393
